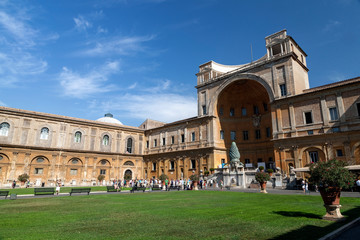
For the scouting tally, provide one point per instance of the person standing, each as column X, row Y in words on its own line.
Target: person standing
column 358, row 184
column 57, row 188
column 14, row 184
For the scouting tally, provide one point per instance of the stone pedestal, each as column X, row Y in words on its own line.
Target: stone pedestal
column 333, row 213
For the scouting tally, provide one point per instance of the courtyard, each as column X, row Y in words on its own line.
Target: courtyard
column 171, row 215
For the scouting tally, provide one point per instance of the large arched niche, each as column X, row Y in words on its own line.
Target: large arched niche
column 243, row 105
column 236, row 78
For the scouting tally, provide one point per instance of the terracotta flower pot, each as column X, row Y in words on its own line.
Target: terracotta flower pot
column 263, row 187
column 331, row 196
column 196, row 185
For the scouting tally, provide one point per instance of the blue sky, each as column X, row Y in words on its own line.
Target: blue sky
column 138, row 58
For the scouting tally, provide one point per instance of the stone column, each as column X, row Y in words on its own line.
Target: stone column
column 120, row 169
column 94, row 169
column 53, row 167
column 13, row 167
column 84, row 177
column 63, row 168
column 292, row 117
column 340, row 105
column 324, row 114
column 27, row 163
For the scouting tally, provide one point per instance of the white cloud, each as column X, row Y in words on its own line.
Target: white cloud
column 331, row 25
column 161, row 107
column 81, row 23
column 132, row 86
column 18, row 40
column 117, row 45
column 81, row 86
column 2, row 103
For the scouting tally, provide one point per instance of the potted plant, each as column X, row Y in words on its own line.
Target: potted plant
column 195, row 178
column 212, row 170
column 101, row 177
column 23, row 178
column 330, row 177
column 163, row 177
column 206, row 173
column 270, row 172
column 262, row 177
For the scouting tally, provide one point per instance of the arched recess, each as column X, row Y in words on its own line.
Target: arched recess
column 74, row 171
column 104, row 167
column 128, row 174
column 237, row 77
column 39, row 170
column 309, row 154
column 242, row 106
column 129, row 163
column 4, row 167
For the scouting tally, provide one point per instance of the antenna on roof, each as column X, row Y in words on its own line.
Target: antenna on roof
column 251, row 53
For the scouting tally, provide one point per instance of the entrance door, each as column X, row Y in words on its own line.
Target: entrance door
column 128, row 175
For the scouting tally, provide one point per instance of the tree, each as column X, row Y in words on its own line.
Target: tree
column 23, row 177
column 101, row 177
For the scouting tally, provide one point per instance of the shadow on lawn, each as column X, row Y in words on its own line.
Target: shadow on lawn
column 298, row 214
column 309, row 232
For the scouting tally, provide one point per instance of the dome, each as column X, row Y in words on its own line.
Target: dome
column 109, row 118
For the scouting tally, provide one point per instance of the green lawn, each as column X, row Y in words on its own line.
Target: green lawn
column 22, row 191
column 170, row 215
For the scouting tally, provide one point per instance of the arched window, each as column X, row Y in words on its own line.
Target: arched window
column 129, row 145
column 129, row 163
column 77, row 138
column 4, row 129
column 105, row 140
column 44, row 133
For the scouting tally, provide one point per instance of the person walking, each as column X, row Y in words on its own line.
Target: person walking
column 57, row 189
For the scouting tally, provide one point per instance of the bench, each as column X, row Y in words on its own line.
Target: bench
column 112, row 189
column 174, row 188
column 138, row 189
column 44, row 191
column 80, row 190
column 156, row 187
column 4, row 193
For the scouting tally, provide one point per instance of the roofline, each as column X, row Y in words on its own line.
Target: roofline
column 27, row 113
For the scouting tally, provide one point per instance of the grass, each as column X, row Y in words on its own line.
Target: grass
column 24, row 191
column 170, row 215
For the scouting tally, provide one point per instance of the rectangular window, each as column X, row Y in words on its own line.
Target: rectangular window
column 339, row 153
column 268, row 132
column 310, row 132
column 39, row 171
column 182, row 138
column 172, row 139
column 102, row 171
column 73, row 172
column 232, row 112
column 155, row 142
column 358, row 109
column 314, row 157
column 233, row 135
column 265, row 107
column 245, row 135
column 333, row 113
column 335, row 129
column 283, row 89
column 204, row 109
column 257, row 134
column 193, row 164
column 221, row 111
column 172, row 165
column 243, row 111
column 163, row 142
column 260, row 160
column 223, row 161
column 247, row 160
column 154, row 166
column 221, row 134
column 256, row 110
column 193, row 136
column 308, row 117
column 147, row 144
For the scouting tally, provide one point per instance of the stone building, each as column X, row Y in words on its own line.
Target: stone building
column 266, row 107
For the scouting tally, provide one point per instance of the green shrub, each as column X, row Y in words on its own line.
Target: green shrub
column 23, row 177
column 163, row 177
column 194, row 177
column 262, row 177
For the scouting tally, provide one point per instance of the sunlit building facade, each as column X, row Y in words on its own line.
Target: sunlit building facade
column 266, row 107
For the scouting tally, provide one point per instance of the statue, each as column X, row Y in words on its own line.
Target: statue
column 235, row 156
